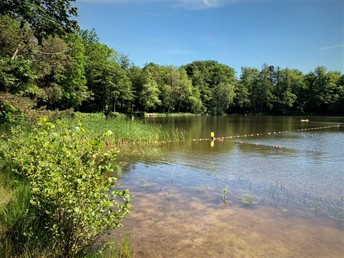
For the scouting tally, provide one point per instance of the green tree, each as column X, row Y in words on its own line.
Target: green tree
column 107, row 80
column 149, row 94
column 322, row 90
column 284, row 91
column 16, row 75
column 182, row 90
column 223, row 96
column 245, row 99
column 14, row 39
column 45, row 17
column 165, row 79
column 263, row 88
column 206, row 76
column 74, row 81
column 339, row 105
column 120, row 90
column 99, row 71
column 51, row 64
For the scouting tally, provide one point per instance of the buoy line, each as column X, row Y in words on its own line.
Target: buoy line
column 222, row 138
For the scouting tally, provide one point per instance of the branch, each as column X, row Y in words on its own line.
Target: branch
column 52, row 53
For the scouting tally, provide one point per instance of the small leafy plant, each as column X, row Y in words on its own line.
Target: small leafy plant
column 248, row 199
column 69, row 193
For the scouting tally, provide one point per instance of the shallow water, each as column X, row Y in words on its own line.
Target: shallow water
column 272, row 187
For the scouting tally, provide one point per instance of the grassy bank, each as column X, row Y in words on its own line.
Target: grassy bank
column 65, row 153
column 125, row 130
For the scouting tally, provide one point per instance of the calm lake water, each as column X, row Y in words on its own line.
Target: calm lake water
column 268, row 187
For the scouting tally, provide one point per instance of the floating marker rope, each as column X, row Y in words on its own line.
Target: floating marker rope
column 221, row 138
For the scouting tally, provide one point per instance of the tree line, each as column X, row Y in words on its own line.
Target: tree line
column 47, row 58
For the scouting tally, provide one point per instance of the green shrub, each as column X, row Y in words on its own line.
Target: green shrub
column 116, row 115
column 74, row 201
column 9, row 113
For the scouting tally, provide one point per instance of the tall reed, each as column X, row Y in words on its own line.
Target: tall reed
column 126, row 131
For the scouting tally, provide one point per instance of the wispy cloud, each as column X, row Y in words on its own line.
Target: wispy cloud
column 331, row 47
column 184, row 4
column 197, row 4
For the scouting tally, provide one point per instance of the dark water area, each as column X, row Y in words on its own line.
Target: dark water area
column 266, row 187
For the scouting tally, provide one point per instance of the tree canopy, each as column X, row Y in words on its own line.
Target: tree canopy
column 45, row 57
column 45, row 17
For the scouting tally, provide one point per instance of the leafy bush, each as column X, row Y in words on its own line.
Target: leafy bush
column 9, row 113
column 74, row 201
column 116, row 115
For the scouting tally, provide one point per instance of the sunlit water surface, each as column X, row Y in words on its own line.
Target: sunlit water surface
column 276, row 194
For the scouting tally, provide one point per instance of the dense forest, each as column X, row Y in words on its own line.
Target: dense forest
column 45, row 57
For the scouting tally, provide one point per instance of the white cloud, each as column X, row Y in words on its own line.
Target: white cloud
column 331, row 47
column 185, row 4
column 197, row 4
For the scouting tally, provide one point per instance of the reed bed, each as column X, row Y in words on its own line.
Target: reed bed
column 125, row 130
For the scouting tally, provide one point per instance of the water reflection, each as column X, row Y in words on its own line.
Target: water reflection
column 271, row 195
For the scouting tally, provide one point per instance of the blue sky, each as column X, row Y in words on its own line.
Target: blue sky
column 301, row 34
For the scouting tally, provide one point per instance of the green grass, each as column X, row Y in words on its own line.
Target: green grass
column 120, row 249
column 15, row 216
column 129, row 136
column 5, row 191
column 125, row 131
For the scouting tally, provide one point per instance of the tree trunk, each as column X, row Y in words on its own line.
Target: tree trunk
column 16, row 51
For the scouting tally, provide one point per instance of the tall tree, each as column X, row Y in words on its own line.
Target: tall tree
column 222, row 96
column 206, row 76
column 284, row 90
column 120, row 90
column 45, row 17
column 74, row 86
column 16, row 75
column 323, row 90
column 245, row 99
column 149, row 94
column 100, row 70
column 263, row 89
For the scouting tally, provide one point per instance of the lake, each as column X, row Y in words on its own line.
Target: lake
column 266, row 187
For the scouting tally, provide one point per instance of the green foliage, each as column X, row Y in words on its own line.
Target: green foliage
column 64, row 167
column 263, row 88
column 215, row 82
column 46, row 17
column 125, row 131
column 74, row 82
column 9, row 114
column 222, row 96
column 108, row 82
column 62, row 70
column 245, row 99
column 120, row 249
column 16, row 76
